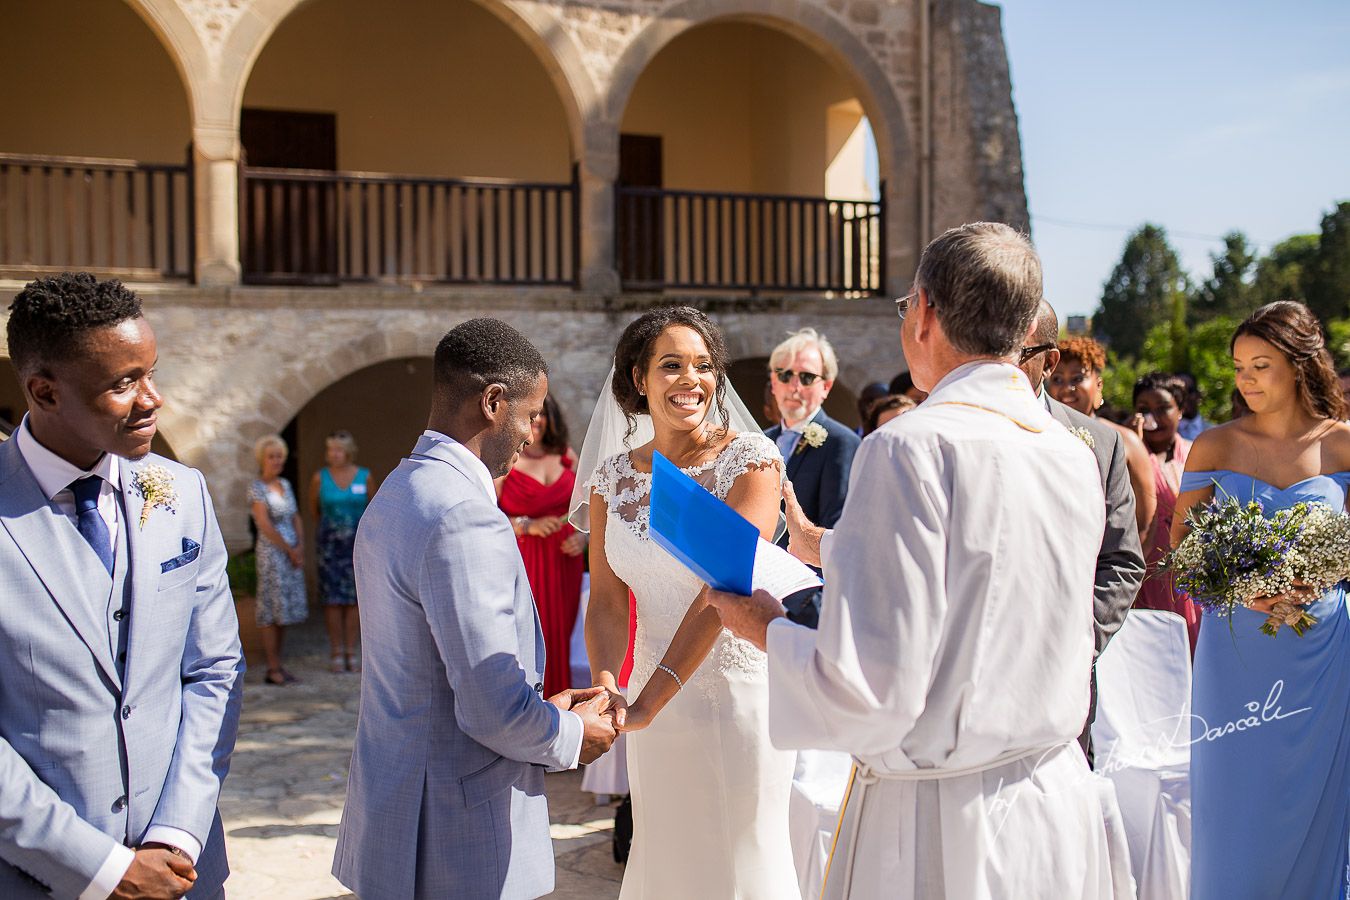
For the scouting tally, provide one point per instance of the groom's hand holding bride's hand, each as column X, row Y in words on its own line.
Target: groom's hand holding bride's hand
column 593, row 705
column 747, row 617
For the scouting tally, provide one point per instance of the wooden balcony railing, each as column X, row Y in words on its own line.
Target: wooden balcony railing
column 315, row 227
column 749, row 242
column 115, row 217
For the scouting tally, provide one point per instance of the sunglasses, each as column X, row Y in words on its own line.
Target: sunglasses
column 1029, row 352
column 806, row 378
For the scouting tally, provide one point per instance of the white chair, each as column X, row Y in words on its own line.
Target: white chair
column 1141, row 741
column 818, row 787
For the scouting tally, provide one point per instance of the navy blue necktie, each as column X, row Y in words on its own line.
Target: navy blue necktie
column 89, row 522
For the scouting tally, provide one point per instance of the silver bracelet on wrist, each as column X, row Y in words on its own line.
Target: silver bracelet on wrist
column 671, row 672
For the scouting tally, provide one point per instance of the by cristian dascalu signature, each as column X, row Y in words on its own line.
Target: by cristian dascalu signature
column 1259, row 714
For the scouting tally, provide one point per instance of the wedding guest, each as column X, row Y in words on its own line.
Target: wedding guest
column 535, row 494
column 1158, row 399
column 338, row 494
column 280, row 553
column 1120, row 561
column 1192, row 423
column 869, row 395
column 1077, row 383
column 885, row 409
column 817, row 449
column 956, row 637
column 1283, row 787
column 120, row 667
column 904, row 384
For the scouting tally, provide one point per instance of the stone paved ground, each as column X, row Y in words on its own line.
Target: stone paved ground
column 283, row 799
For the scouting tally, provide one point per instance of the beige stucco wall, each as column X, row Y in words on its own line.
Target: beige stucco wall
column 105, row 89
column 739, row 107
column 419, row 87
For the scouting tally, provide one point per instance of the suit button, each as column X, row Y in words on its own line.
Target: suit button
column 126, row 712
column 538, row 687
column 120, row 615
column 119, row 804
column 122, row 657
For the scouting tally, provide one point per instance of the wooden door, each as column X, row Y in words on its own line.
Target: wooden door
column 641, row 237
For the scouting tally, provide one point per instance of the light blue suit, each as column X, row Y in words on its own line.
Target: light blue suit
column 446, row 793
column 95, row 750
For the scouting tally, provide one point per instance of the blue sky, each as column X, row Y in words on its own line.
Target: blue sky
column 1200, row 116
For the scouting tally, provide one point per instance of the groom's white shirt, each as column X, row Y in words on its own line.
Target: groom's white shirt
column 54, row 476
column 948, row 635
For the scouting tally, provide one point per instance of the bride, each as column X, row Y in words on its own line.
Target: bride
column 710, row 793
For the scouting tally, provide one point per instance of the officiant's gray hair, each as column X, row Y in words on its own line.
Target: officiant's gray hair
column 984, row 281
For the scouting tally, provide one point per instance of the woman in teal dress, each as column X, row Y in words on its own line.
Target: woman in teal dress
column 1270, row 727
column 338, row 495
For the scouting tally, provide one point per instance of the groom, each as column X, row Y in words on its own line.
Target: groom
column 120, row 667
column 446, row 793
column 956, row 640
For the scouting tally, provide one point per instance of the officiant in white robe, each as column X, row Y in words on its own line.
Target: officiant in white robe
column 956, row 633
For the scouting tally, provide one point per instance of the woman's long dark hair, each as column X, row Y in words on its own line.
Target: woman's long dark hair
column 1294, row 331
column 634, row 351
column 555, row 436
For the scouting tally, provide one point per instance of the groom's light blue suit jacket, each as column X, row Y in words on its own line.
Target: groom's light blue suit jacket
column 88, row 757
column 445, row 797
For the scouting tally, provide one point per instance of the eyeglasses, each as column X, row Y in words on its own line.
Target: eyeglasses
column 806, row 378
column 1029, row 352
column 902, row 305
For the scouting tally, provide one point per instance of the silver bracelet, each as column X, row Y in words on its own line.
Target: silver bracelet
column 671, row 672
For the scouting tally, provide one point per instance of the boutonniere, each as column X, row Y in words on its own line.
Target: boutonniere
column 1083, row 435
column 813, row 435
column 155, row 484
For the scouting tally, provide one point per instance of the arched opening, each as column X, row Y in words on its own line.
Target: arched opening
column 445, row 153
column 94, row 133
column 743, row 163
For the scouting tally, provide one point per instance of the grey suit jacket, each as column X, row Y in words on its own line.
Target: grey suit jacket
column 88, row 759
column 1120, row 564
column 446, row 792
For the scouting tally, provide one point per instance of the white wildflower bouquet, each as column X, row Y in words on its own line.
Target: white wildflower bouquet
column 1235, row 554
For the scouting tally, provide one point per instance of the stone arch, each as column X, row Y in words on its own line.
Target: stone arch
column 534, row 25
column 183, row 44
column 818, row 29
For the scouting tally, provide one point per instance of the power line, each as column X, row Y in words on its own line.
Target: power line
column 1122, row 229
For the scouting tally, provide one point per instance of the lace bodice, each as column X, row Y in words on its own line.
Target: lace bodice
column 664, row 588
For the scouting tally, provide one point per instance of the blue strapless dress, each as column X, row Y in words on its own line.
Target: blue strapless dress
column 1270, row 733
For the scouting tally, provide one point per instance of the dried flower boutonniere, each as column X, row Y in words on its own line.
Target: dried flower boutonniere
column 155, row 484
column 1083, row 435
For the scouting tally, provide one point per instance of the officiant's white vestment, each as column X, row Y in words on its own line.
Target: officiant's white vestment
column 954, row 653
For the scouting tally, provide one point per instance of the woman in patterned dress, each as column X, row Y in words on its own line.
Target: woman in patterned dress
column 281, row 561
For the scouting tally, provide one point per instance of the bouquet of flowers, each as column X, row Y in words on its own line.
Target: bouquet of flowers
column 1235, row 554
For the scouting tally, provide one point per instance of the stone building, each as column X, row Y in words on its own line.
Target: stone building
column 308, row 193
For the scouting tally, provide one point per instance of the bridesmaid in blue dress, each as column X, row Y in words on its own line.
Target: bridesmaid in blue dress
column 1270, row 751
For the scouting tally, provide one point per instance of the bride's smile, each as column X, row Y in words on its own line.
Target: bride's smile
column 680, row 379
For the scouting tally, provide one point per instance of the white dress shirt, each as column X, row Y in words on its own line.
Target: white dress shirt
column 54, row 476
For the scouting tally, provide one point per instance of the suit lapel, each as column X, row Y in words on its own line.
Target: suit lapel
column 50, row 543
column 144, row 567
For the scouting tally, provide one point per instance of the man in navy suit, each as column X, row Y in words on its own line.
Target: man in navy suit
column 817, row 450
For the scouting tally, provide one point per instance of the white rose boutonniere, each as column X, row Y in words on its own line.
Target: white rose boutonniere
column 155, row 484
column 813, row 435
column 1083, row 435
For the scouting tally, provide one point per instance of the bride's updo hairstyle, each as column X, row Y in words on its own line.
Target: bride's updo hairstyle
column 1290, row 328
column 636, row 346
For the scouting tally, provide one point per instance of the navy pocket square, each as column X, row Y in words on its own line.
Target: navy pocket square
column 191, row 549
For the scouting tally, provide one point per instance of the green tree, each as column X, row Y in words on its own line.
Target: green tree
column 1280, row 274
column 1326, row 283
column 1141, row 291
column 1201, row 350
column 1228, row 291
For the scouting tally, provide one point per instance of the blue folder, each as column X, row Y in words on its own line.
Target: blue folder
column 701, row 531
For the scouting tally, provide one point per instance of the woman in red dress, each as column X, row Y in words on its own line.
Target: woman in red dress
column 535, row 494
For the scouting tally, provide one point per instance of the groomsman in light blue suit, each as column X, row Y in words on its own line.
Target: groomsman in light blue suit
column 119, row 648
column 446, row 793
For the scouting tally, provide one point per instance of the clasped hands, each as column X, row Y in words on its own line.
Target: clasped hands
column 156, row 873
column 603, row 715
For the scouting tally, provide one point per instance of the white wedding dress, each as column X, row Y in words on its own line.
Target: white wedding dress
column 710, row 793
